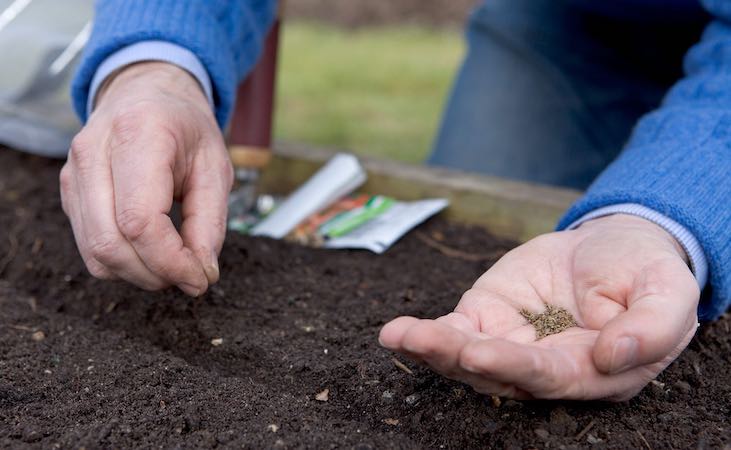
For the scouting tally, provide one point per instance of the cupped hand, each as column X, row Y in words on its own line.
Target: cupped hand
column 151, row 139
column 624, row 279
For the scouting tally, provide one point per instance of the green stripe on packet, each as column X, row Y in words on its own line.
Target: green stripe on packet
column 347, row 221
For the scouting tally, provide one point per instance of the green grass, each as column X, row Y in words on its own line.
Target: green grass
column 375, row 91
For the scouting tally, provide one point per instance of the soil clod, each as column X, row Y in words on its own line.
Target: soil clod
column 541, row 433
column 38, row 336
column 495, row 400
column 323, row 395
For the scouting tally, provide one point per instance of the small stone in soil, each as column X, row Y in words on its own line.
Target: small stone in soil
column 541, row 433
column 496, row 402
column 551, row 321
column 682, row 386
column 323, row 396
column 216, row 342
column 390, row 421
column 411, row 399
column 38, row 336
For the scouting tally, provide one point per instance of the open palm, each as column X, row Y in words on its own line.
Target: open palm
column 622, row 278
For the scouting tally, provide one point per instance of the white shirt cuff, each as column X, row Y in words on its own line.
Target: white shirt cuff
column 151, row 51
column 698, row 261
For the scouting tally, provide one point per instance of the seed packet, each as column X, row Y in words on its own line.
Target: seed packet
column 323, row 212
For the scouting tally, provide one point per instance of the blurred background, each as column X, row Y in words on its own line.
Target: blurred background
column 368, row 76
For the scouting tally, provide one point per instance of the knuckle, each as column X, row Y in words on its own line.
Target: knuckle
column 104, row 248
column 131, row 120
column 81, row 148
column 139, row 120
column 469, row 359
column 539, row 370
column 126, row 127
column 219, row 223
column 133, row 222
column 160, row 268
column 65, row 179
column 98, row 271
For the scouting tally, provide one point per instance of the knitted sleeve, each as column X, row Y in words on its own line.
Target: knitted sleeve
column 226, row 36
column 678, row 160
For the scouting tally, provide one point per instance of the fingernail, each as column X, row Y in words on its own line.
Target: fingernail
column 212, row 270
column 624, row 354
column 189, row 289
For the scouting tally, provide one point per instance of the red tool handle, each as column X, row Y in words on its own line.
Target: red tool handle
column 250, row 134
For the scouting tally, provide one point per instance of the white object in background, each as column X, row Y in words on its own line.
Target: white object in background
column 338, row 178
column 40, row 46
column 380, row 233
column 12, row 11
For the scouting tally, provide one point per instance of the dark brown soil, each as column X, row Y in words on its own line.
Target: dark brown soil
column 359, row 13
column 116, row 367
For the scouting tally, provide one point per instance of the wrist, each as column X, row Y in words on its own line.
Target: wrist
column 160, row 76
column 637, row 224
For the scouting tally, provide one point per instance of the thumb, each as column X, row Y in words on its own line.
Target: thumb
column 660, row 320
column 204, row 208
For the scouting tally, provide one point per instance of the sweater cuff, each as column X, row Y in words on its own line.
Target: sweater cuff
column 150, row 51
column 698, row 261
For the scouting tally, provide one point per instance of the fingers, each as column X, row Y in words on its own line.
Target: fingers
column 393, row 332
column 597, row 309
column 562, row 368
column 439, row 346
column 658, row 323
column 205, row 208
column 546, row 373
column 138, row 151
column 143, row 166
column 492, row 313
column 460, row 321
column 69, row 204
column 86, row 188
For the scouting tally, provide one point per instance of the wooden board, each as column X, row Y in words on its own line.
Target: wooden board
column 507, row 208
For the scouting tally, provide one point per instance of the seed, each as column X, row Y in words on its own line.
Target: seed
column 551, row 321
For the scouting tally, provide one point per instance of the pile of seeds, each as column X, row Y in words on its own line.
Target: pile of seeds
column 551, row 321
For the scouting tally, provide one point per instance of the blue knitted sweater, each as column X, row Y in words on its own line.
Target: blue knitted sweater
column 678, row 161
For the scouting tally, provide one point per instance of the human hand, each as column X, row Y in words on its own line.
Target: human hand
column 151, row 139
column 625, row 281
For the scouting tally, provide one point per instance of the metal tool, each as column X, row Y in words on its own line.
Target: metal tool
column 250, row 136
